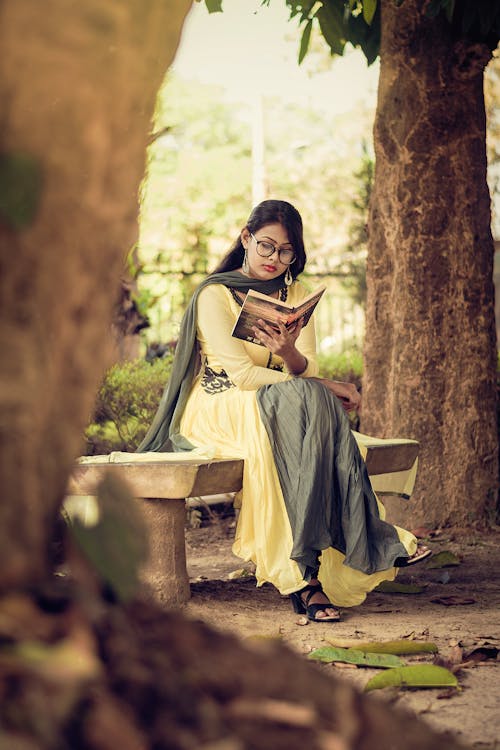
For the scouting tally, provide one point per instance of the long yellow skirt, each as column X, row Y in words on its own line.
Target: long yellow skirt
column 229, row 424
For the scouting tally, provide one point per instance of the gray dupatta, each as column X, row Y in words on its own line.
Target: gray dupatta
column 164, row 435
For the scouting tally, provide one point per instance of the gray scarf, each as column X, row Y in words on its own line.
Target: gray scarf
column 164, row 435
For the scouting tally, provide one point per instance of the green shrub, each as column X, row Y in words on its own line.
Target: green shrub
column 129, row 395
column 347, row 366
column 126, row 403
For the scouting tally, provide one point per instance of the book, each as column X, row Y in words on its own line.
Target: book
column 257, row 306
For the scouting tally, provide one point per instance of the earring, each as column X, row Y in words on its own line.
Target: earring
column 288, row 277
column 244, row 266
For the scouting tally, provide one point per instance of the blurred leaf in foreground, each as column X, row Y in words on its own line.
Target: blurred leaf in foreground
column 117, row 545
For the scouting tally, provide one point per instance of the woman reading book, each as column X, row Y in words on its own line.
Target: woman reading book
column 309, row 518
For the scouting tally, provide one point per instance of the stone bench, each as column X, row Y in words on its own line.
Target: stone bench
column 163, row 485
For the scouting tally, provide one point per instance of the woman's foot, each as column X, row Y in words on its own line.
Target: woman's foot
column 422, row 553
column 313, row 602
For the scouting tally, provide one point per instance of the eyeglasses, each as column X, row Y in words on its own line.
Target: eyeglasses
column 266, row 249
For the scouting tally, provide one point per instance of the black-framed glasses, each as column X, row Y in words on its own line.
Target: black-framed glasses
column 265, row 249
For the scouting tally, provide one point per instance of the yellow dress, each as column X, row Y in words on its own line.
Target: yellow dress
column 222, row 414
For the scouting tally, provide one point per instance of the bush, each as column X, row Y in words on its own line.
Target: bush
column 129, row 395
column 347, row 366
column 126, row 403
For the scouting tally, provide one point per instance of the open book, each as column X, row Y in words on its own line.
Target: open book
column 257, row 306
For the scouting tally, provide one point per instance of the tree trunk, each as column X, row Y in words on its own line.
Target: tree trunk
column 430, row 351
column 78, row 82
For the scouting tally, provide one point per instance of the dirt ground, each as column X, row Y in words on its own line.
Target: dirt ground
column 458, row 610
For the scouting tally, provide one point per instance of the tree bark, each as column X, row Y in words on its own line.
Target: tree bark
column 430, row 355
column 78, row 82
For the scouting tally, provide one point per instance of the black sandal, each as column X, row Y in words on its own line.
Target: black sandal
column 422, row 553
column 300, row 603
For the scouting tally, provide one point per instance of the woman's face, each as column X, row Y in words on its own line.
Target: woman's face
column 260, row 267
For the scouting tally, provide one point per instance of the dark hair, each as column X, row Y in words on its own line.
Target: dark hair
column 270, row 212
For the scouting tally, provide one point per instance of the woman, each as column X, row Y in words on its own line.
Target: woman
column 309, row 519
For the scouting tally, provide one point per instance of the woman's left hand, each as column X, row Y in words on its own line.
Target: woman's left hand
column 348, row 394
column 281, row 342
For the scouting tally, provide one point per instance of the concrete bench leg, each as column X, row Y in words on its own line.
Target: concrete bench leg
column 165, row 572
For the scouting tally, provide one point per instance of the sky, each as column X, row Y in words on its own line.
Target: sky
column 250, row 49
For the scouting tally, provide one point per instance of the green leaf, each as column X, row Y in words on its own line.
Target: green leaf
column 369, row 8
column 399, row 647
column 20, row 188
column 364, row 36
column 392, row 587
column 117, row 545
column 417, row 675
column 304, row 42
column 331, row 22
column 214, row 6
column 355, row 656
column 443, row 559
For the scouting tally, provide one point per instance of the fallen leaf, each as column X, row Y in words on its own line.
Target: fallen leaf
column 392, row 587
column 343, row 665
column 330, row 654
column 442, row 559
column 453, row 660
column 482, row 653
column 418, row 676
column 385, row 647
column 452, row 601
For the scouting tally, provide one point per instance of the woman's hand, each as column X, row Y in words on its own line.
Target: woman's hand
column 346, row 392
column 282, row 343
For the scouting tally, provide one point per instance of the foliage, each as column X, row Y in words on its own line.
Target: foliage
column 347, row 366
column 196, row 189
column 340, row 22
column 195, row 198
column 117, row 544
column 358, row 21
column 126, row 404
column 20, row 189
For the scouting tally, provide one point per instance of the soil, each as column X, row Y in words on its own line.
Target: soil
column 458, row 610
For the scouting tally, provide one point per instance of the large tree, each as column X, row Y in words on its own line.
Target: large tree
column 78, row 85
column 430, row 352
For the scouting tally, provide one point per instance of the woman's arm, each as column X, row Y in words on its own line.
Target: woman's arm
column 216, row 319
column 282, row 343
